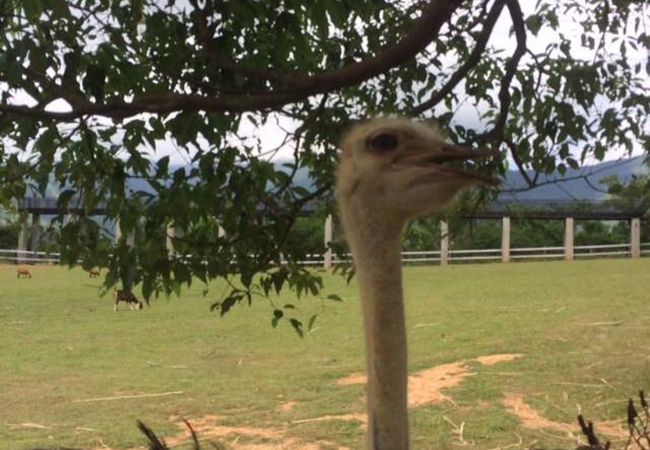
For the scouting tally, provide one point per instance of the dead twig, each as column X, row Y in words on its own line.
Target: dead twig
column 122, row 397
column 458, row 430
column 604, row 324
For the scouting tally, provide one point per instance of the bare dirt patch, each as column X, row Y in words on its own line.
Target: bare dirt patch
column 209, row 427
column 426, row 386
column 239, row 437
column 530, row 418
column 287, row 406
column 490, row 360
column 353, row 378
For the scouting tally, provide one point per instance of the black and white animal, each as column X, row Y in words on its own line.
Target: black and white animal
column 129, row 298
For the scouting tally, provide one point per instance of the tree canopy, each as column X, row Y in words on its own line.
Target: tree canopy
column 90, row 89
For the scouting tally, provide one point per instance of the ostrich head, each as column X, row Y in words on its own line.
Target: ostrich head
column 397, row 169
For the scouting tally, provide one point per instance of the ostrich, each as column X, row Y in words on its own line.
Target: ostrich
column 391, row 170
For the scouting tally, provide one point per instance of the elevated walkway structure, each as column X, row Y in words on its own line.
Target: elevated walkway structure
column 35, row 207
column 504, row 210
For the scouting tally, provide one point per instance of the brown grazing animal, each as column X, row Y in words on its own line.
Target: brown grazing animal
column 23, row 273
column 129, row 298
column 93, row 273
column 391, row 171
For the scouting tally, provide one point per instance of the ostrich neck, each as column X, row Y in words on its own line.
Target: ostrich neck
column 376, row 250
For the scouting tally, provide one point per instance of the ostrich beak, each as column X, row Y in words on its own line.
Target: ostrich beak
column 446, row 160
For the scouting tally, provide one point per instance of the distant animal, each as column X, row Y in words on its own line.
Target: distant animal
column 129, row 298
column 93, row 273
column 23, row 273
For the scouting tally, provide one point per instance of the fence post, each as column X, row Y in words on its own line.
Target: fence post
column 444, row 243
column 505, row 240
column 169, row 243
column 117, row 233
column 130, row 270
column 35, row 232
column 327, row 257
column 635, row 238
column 130, row 239
column 23, row 239
column 568, row 239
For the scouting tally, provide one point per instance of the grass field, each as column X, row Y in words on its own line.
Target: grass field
column 69, row 363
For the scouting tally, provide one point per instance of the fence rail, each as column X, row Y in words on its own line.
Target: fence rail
column 29, row 257
column 494, row 254
column 408, row 257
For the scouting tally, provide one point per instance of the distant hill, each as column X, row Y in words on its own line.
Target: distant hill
column 575, row 185
column 583, row 185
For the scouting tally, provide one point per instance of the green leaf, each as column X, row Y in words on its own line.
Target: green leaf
column 60, row 8
column 162, row 169
column 534, row 23
column 33, row 9
column 279, row 278
column 147, row 288
column 94, row 81
column 225, row 305
column 334, row 297
column 297, row 326
column 313, row 287
column 573, row 163
column 337, row 13
column 246, row 279
column 64, row 198
column 312, row 320
column 277, row 315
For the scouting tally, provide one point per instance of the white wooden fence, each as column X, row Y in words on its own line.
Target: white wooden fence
column 494, row 254
column 408, row 257
column 28, row 257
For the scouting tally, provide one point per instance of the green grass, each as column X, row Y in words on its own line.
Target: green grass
column 61, row 342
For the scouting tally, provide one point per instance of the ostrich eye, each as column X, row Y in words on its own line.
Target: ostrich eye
column 384, row 142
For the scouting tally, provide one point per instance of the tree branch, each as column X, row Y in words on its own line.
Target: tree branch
column 423, row 31
column 496, row 134
column 520, row 165
column 472, row 60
